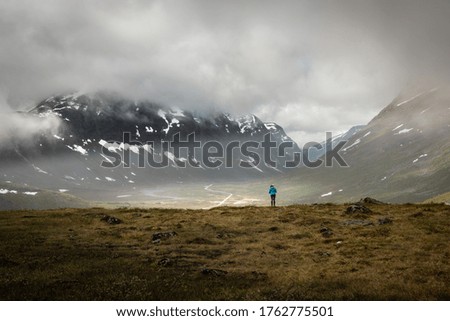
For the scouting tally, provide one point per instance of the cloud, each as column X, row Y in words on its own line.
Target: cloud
column 19, row 128
column 311, row 66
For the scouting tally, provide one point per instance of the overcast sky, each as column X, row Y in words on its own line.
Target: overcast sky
column 311, row 66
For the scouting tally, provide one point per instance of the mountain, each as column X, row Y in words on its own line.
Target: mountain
column 18, row 197
column 402, row 155
column 89, row 118
column 317, row 151
column 91, row 134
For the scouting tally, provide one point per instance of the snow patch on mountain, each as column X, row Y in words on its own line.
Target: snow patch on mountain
column 116, row 147
column 410, row 99
column 418, row 158
column 79, row 149
column 30, row 193
column 123, row 196
column 270, row 126
column 177, row 112
column 246, row 123
column 352, row 145
column 423, row 111
column 404, row 131
column 106, row 159
column 416, row 96
column 174, row 159
column 39, row 170
column 251, row 163
column 58, row 137
column 6, row 191
column 163, row 115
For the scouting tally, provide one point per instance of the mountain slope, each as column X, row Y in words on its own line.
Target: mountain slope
column 81, row 156
column 106, row 116
column 402, row 155
column 14, row 197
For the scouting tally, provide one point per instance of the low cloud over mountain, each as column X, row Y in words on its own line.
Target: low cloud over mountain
column 22, row 127
column 311, row 66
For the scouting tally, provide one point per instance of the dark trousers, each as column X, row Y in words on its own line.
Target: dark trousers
column 272, row 200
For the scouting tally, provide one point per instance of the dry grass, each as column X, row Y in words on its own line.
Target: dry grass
column 302, row 252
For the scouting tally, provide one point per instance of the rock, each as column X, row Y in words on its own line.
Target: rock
column 322, row 253
column 384, row 220
column 357, row 208
column 165, row 262
column 225, row 235
column 259, row 275
column 358, row 222
column 369, row 200
column 326, row 232
column 214, row 272
column 200, row 240
column 163, row 235
column 321, row 256
column 111, row 220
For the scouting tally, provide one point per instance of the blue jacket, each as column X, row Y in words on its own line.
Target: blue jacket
column 272, row 190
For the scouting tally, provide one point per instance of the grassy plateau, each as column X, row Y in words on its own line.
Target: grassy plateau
column 299, row 252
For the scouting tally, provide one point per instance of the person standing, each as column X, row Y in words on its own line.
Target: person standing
column 273, row 195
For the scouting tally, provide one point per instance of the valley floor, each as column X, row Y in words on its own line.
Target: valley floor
column 300, row 252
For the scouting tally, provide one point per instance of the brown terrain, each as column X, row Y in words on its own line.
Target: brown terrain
column 367, row 251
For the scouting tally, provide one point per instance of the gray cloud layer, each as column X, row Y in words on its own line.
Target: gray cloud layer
column 311, row 66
